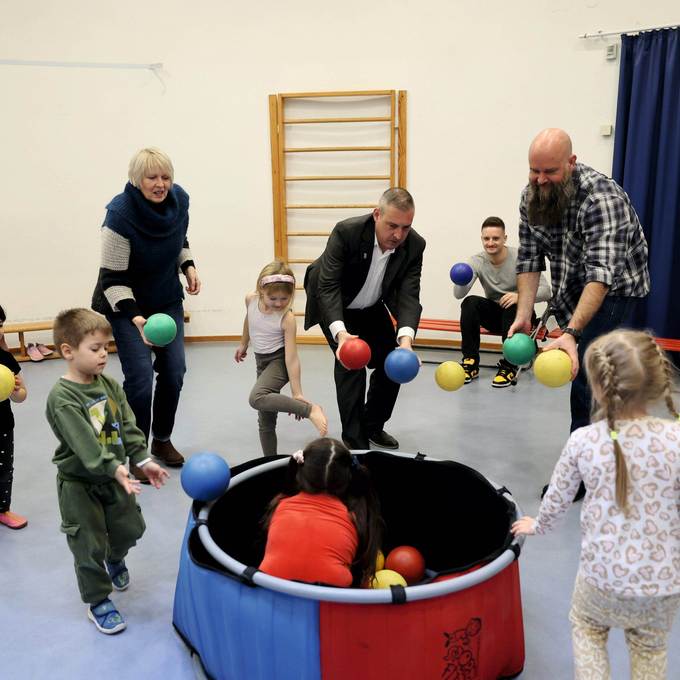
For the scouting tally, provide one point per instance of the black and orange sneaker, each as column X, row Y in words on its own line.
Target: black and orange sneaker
column 471, row 368
column 505, row 376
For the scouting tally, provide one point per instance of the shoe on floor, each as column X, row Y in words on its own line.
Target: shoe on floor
column 382, row 440
column 139, row 474
column 506, row 375
column 120, row 576
column 471, row 368
column 106, row 617
column 12, row 520
column 167, row 453
column 44, row 350
column 33, row 352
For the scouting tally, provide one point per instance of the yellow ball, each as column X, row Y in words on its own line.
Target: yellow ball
column 6, row 382
column 450, row 376
column 553, row 368
column 386, row 578
column 379, row 561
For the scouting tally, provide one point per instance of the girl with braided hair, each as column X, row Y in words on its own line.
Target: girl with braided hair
column 629, row 462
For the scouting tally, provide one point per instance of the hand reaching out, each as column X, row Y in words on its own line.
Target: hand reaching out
column 156, row 474
column 131, row 486
column 526, row 526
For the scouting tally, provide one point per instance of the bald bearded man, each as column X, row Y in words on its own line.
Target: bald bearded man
column 584, row 223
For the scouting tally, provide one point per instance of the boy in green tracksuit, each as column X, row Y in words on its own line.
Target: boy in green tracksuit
column 96, row 429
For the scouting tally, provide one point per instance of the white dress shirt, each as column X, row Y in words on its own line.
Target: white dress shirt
column 371, row 291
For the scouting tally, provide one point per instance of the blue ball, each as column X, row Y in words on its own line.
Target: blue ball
column 205, row 476
column 461, row 273
column 401, row 365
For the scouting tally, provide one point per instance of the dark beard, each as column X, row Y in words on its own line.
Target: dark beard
column 546, row 208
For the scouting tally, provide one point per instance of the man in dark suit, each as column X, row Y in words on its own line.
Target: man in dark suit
column 369, row 270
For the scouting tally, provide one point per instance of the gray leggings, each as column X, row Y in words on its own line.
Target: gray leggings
column 265, row 397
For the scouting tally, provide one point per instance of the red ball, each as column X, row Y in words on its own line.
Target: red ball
column 354, row 354
column 407, row 561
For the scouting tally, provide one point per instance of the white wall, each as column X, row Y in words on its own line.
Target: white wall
column 482, row 79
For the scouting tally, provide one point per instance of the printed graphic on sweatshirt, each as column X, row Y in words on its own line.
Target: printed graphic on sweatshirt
column 103, row 417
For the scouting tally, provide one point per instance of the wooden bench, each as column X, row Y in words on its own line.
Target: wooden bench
column 670, row 345
column 23, row 327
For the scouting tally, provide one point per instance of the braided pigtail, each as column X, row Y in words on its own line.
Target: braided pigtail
column 612, row 405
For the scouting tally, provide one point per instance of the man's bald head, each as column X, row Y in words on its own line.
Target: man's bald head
column 551, row 159
column 552, row 140
column 551, row 164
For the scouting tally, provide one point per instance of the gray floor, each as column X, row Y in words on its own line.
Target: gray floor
column 513, row 436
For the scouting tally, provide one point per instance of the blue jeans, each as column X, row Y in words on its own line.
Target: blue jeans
column 613, row 313
column 138, row 369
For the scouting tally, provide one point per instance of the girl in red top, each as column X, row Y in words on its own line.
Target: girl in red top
column 328, row 529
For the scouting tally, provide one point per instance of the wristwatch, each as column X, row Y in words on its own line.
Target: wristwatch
column 573, row 332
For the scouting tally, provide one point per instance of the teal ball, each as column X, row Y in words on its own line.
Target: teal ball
column 160, row 329
column 520, row 349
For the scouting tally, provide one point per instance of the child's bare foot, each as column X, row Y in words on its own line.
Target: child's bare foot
column 318, row 418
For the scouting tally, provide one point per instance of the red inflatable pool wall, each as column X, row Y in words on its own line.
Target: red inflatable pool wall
column 474, row 634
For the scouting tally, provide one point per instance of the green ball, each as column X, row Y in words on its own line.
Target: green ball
column 160, row 329
column 519, row 349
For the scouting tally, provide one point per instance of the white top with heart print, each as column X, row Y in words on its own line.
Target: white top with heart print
column 638, row 555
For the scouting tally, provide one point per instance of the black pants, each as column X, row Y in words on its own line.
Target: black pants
column 6, row 469
column 479, row 311
column 364, row 415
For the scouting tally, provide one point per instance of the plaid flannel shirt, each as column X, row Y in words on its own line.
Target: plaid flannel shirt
column 600, row 239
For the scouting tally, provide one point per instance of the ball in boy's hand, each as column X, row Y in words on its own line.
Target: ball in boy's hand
column 402, row 365
column 6, row 382
column 354, row 354
column 386, row 578
column 205, row 476
column 160, row 329
column 407, row 561
column 461, row 273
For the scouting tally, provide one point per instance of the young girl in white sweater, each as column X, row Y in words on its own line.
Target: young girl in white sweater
column 270, row 328
column 629, row 462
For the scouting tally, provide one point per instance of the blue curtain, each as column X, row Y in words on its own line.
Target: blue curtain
column 647, row 164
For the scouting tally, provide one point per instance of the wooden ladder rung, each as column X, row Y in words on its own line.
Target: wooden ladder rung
column 333, row 178
column 312, row 149
column 324, row 206
column 362, row 119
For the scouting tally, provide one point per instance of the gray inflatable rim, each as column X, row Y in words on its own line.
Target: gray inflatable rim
column 353, row 595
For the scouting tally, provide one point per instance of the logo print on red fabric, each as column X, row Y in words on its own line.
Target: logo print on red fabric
column 462, row 652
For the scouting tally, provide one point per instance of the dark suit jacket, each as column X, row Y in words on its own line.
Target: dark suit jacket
column 334, row 279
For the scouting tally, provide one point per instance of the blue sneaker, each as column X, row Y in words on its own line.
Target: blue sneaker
column 120, row 576
column 106, row 617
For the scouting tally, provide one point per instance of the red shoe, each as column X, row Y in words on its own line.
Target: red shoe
column 12, row 520
column 33, row 352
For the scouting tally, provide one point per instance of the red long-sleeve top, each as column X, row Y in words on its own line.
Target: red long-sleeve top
column 311, row 538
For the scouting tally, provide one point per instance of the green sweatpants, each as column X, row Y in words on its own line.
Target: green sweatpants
column 101, row 522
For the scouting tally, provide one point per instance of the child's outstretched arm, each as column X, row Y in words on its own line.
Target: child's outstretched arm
column 20, row 392
column 292, row 360
column 563, row 486
column 242, row 349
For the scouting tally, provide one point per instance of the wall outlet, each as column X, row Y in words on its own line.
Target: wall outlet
column 612, row 52
column 606, row 130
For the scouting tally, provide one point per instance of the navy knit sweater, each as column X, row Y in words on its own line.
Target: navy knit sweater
column 143, row 247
